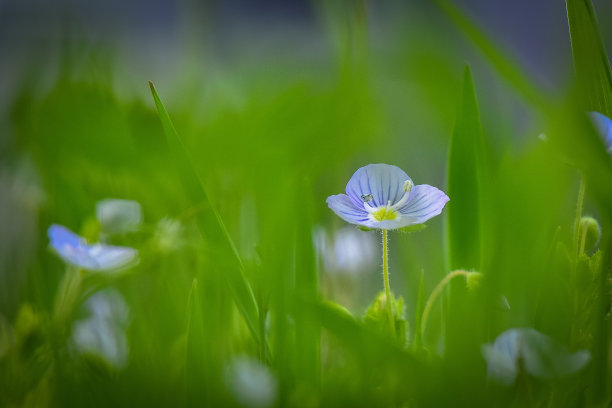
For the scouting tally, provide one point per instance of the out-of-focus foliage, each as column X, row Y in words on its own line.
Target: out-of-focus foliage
column 243, row 294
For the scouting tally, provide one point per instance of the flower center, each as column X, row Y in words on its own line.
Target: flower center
column 383, row 214
column 387, row 212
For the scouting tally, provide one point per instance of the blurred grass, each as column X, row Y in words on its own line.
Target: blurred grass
column 246, row 167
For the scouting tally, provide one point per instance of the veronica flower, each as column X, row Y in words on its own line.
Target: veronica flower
column 603, row 124
column 96, row 257
column 536, row 353
column 382, row 196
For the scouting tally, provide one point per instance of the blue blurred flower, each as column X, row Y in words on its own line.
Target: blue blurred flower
column 383, row 196
column 603, row 124
column 103, row 332
column 251, row 382
column 347, row 252
column 533, row 351
column 97, row 257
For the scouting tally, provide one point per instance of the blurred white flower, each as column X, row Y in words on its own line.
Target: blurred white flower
column 537, row 353
column 103, row 332
column 251, row 383
column 349, row 251
column 168, row 236
column 118, row 216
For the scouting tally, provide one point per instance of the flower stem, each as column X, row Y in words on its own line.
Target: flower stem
column 575, row 256
column 385, row 254
column 434, row 295
column 579, row 204
column 67, row 295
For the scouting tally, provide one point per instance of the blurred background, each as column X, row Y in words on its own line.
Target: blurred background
column 278, row 103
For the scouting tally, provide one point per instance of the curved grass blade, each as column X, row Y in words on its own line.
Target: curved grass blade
column 507, row 68
column 563, row 121
column 590, row 59
column 594, row 80
column 210, row 224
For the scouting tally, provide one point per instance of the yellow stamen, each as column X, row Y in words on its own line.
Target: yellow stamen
column 384, row 214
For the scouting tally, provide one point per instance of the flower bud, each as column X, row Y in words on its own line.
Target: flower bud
column 593, row 232
column 473, row 280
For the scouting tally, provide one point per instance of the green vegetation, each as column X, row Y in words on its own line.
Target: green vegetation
column 248, row 290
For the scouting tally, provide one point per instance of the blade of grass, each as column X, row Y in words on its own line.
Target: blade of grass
column 589, row 154
column 306, row 286
column 464, row 216
column 465, row 173
column 594, row 81
column 195, row 359
column 210, row 224
column 590, row 60
column 507, row 68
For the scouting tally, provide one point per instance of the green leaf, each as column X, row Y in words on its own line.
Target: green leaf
column 210, row 224
column 590, row 59
column 376, row 316
column 370, row 345
column 465, row 175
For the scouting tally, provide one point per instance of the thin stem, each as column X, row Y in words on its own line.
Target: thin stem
column 579, row 204
column 67, row 295
column 575, row 255
column 434, row 295
column 385, row 254
column 262, row 331
column 585, row 229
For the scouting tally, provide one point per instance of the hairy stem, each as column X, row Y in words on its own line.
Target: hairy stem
column 388, row 299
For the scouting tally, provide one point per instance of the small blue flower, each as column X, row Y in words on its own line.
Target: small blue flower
column 97, row 257
column 102, row 333
column 383, row 196
column 603, row 124
column 537, row 353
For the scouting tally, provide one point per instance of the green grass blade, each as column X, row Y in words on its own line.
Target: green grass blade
column 594, row 81
column 307, row 288
column 590, row 59
column 466, row 170
column 465, row 173
column 419, row 312
column 195, row 348
column 505, row 66
column 210, row 223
